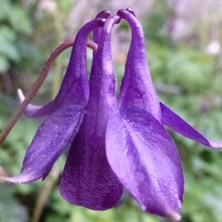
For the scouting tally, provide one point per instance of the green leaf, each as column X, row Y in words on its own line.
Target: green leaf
column 5, row 9
column 4, row 65
column 19, row 20
column 7, row 34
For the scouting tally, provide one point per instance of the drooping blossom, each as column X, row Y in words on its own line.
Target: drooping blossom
column 139, row 149
column 117, row 141
column 64, row 114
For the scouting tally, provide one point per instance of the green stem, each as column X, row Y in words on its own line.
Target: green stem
column 58, row 66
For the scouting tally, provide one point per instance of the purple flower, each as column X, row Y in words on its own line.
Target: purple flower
column 78, row 116
column 64, row 114
column 139, row 149
column 116, row 141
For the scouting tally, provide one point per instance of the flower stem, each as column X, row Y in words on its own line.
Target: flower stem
column 57, row 76
column 43, row 74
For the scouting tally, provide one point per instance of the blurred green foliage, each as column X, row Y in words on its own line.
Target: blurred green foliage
column 186, row 79
column 10, row 209
column 14, row 23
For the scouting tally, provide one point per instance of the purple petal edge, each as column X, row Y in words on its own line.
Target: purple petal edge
column 146, row 161
column 137, row 82
column 175, row 122
column 74, row 88
column 53, row 136
column 33, row 111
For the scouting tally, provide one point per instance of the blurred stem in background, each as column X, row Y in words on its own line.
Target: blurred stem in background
column 57, row 77
column 45, row 192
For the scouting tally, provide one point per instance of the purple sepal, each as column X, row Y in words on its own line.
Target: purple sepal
column 74, row 88
column 88, row 179
column 175, row 122
column 146, row 161
column 137, row 88
column 52, row 137
column 33, row 111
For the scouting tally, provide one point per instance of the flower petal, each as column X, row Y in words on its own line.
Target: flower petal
column 137, row 88
column 175, row 122
column 97, row 31
column 146, row 161
column 53, row 136
column 33, row 111
column 88, row 179
column 74, row 88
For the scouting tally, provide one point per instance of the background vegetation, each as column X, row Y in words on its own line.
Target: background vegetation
column 185, row 61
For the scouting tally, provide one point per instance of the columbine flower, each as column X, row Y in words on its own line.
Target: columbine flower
column 114, row 143
column 139, row 150
column 65, row 114
column 88, row 179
